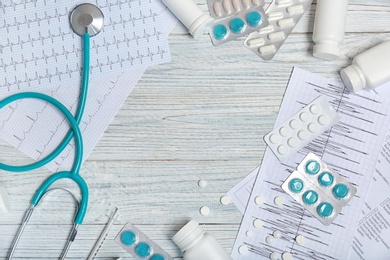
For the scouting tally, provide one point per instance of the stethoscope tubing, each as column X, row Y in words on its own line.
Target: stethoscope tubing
column 79, row 113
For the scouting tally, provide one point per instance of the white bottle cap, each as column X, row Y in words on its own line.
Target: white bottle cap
column 326, row 51
column 201, row 25
column 5, row 205
column 353, row 78
column 188, row 235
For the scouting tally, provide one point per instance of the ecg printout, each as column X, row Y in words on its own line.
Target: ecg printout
column 39, row 48
column 348, row 148
column 35, row 128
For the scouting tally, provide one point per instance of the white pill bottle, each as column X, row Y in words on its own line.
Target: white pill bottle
column 369, row 69
column 198, row 245
column 329, row 28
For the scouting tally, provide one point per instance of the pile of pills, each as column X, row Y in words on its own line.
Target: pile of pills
column 317, row 187
column 301, row 128
column 282, row 16
column 235, row 18
column 139, row 245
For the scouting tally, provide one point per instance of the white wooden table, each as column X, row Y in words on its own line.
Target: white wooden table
column 201, row 116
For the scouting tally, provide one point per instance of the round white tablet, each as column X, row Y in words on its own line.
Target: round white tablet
column 257, row 223
column 269, row 239
column 259, row 200
column 279, row 201
column 202, row 183
column 243, row 250
column 225, row 200
column 205, row 211
column 287, row 256
column 300, row 239
column 277, row 234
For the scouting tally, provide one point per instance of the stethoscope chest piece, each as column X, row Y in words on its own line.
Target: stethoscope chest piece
column 87, row 18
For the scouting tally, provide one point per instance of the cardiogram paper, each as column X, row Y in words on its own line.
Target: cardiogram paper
column 39, row 48
column 36, row 128
column 350, row 147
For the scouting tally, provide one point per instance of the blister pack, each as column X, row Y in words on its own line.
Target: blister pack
column 282, row 16
column 319, row 189
column 301, row 128
column 223, row 8
column 139, row 245
column 242, row 23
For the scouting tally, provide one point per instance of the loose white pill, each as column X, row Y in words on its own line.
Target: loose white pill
column 205, row 211
column 277, row 234
column 286, row 256
column 225, row 200
column 202, row 183
column 243, row 250
column 269, row 239
column 249, row 233
column 300, row 239
column 274, row 256
column 279, row 201
column 259, row 200
column 257, row 223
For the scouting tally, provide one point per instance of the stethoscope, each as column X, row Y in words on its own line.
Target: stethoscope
column 86, row 20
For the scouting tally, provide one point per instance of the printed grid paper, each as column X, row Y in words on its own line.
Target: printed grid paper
column 35, row 128
column 349, row 148
column 39, row 48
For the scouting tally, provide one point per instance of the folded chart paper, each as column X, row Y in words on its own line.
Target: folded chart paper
column 39, row 48
column 348, row 148
column 36, row 129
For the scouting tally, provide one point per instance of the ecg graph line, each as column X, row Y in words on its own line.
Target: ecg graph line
column 42, row 48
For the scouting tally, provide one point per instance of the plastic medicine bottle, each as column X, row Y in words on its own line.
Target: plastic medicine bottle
column 198, row 245
column 190, row 15
column 329, row 28
column 369, row 69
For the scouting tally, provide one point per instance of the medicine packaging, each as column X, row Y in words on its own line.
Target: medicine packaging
column 301, row 128
column 282, row 16
column 224, row 8
column 139, row 245
column 319, row 189
column 242, row 23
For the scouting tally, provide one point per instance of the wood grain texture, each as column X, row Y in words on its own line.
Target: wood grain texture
column 201, row 116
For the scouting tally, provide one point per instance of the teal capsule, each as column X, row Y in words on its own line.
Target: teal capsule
column 220, row 32
column 325, row 209
column 253, row 19
column 237, row 25
column 340, row 191
column 310, row 197
column 326, row 179
column 296, row 185
column 157, row 257
column 312, row 167
column 143, row 250
column 128, row 238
